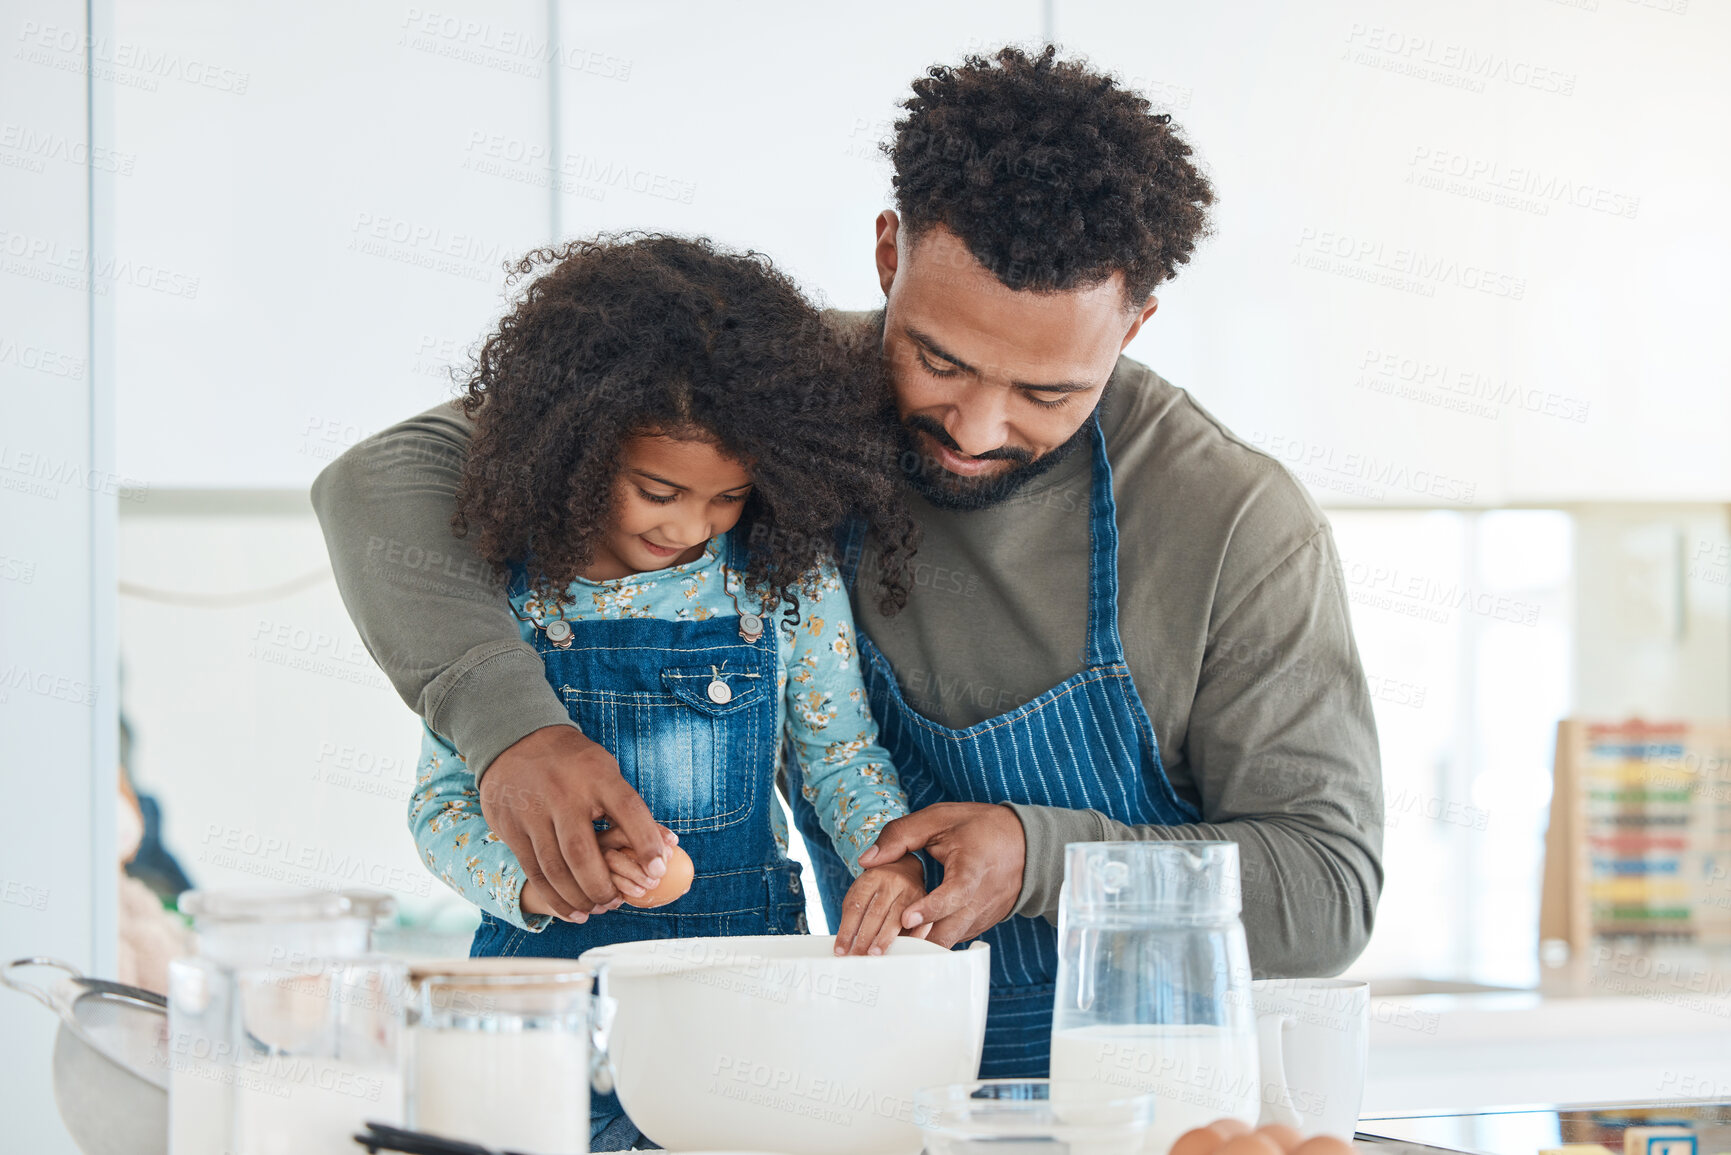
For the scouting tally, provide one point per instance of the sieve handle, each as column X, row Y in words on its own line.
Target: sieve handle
column 32, row 989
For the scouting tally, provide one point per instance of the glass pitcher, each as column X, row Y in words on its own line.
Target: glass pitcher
column 285, row 1034
column 1154, row 981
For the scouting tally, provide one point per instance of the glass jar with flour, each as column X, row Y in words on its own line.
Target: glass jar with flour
column 500, row 1052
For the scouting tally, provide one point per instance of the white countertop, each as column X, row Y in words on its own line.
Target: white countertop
column 1467, row 1052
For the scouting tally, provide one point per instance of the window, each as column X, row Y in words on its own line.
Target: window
column 1464, row 624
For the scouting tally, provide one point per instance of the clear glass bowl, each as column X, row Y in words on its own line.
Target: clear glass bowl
column 1012, row 1116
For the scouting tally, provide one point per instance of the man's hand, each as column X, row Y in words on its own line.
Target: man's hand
column 871, row 914
column 543, row 795
column 982, row 849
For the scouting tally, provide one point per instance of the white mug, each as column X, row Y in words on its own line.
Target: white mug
column 1313, row 1036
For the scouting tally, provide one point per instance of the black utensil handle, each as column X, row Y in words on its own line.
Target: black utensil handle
column 383, row 1137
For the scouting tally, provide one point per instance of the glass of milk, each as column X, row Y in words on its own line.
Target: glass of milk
column 1154, row 981
column 499, row 1053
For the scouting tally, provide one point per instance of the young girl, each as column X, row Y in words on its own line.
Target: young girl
column 665, row 437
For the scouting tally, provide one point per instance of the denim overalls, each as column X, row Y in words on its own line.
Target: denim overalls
column 689, row 711
column 1085, row 744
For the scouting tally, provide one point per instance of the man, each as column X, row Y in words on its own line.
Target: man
column 1128, row 624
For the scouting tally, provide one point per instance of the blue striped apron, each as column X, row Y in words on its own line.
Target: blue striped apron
column 1085, row 744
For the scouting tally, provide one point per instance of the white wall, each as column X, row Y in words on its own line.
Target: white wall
column 58, row 491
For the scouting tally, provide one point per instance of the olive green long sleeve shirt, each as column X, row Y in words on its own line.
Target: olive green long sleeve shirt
column 1231, row 605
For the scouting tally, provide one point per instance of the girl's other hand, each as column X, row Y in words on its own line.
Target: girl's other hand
column 871, row 914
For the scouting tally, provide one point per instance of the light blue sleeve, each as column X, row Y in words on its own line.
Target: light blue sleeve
column 849, row 778
column 455, row 841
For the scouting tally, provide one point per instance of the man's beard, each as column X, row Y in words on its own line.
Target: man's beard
column 947, row 490
column 939, row 486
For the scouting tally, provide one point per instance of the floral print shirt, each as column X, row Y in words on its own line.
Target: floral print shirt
column 821, row 705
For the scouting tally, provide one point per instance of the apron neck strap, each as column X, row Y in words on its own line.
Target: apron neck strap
column 1105, row 647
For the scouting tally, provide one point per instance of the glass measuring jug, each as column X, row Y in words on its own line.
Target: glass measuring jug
column 1153, row 990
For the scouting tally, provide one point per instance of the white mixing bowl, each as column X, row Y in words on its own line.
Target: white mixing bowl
column 772, row 1043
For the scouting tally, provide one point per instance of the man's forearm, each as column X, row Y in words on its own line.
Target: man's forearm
column 429, row 609
column 1309, row 896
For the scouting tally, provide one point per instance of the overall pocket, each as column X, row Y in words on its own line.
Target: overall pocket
column 694, row 759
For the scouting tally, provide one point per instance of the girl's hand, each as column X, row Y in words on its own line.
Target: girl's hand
column 628, row 877
column 542, row 797
column 871, row 914
column 533, row 900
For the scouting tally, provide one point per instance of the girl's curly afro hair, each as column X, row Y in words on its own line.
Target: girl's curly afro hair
column 637, row 333
column 1054, row 176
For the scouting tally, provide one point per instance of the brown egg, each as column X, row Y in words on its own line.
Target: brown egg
column 1201, row 1141
column 1250, row 1144
column 673, row 884
column 1287, row 1137
column 1325, row 1145
column 1229, row 1128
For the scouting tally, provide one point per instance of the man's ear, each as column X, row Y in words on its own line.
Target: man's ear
column 889, row 229
column 1141, row 318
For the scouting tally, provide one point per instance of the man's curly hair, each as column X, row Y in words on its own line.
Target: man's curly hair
column 1054, row 176
column 623, row 335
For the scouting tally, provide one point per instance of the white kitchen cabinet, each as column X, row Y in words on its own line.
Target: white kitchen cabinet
column 1467, row 254
column 756, row 123
column 305, row 182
